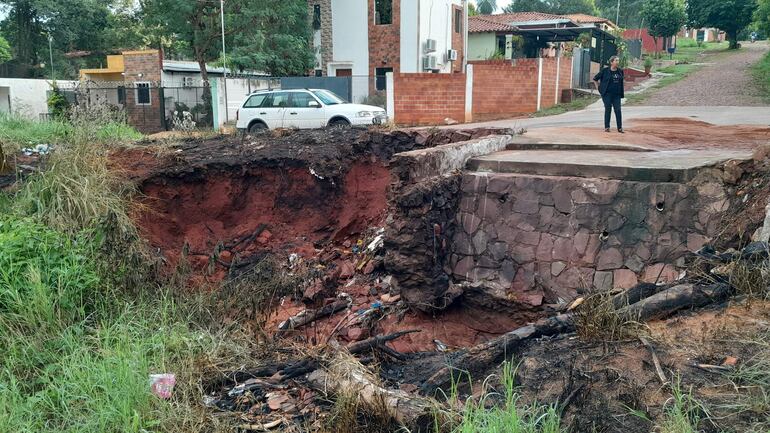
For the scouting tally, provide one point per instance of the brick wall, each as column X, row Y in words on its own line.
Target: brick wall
column 327, row 52
column 425, row 99
column 384, row 42
column 548, row 98
column 565, row 75
column 500, row 89
column 457, row 39
column 146, row 118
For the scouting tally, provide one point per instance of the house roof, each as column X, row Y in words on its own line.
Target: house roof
column 187, row 66
column 522, row 17
column 480, row 24
column 590, row 19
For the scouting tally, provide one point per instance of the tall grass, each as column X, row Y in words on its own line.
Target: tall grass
column 761, row 73
column 507, row 413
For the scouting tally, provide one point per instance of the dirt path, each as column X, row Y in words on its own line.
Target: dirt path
column 725, row 81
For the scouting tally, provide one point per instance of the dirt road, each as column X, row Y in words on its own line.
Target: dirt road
column 725, row 80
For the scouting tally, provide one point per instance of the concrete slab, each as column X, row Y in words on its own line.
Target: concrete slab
column 661, row 166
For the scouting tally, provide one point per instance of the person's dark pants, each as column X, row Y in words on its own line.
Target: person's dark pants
column 612, row 100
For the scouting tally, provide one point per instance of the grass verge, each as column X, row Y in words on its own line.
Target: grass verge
column 761, row 74
column 678, row 73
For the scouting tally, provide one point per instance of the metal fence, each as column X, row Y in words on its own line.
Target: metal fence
column 148, row 106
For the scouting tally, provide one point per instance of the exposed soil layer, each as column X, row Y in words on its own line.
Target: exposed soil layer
column 663, row 133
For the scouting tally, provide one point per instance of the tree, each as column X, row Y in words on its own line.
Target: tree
column 664, row 18
column 5, row 51
column 557, row 7
column 472, row 12
column 627, row 15
column 732, row 16
column 486, row 7
column 762, row 16
column 72, row 25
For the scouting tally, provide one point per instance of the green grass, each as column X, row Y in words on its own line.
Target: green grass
column 690, row 52
column 577, row 104
column 17, row 132
column 511, row 416
column 761, row 73
column 679, row 72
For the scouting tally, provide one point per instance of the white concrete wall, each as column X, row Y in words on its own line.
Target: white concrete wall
column 481, row 46
column 350, row 40
column 29, row 97
column 436, row 23
column 237, row 91
column 411, row 51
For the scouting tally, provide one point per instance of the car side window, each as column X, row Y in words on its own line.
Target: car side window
column 301, row 99
column 279, row 100
column 255, row 101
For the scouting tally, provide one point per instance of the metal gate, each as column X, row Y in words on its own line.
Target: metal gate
column 342, row 86
column 581, row 68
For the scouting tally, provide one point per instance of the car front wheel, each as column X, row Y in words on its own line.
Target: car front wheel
column 339, row 124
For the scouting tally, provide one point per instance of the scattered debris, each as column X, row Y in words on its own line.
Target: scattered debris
column 162, row 385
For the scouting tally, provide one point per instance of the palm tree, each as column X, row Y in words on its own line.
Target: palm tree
column 486, row 7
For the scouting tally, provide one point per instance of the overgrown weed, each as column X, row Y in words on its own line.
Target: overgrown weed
column 597, row 319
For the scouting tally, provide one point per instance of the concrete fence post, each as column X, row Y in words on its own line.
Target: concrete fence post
column 539, row 82
column 390, row 103
column 558, row 71
column 469, row 93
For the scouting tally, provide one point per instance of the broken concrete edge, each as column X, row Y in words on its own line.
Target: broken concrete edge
column 422, row 164
column 524, row 143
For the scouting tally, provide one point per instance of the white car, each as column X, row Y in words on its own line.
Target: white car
column 304, row 109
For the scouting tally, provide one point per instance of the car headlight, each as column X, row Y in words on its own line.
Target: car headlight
column 364, row 114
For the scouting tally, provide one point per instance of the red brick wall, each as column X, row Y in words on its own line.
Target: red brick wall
column 565, row 74
column 457, row 40
column 548, row 98
column 145, row 118
column 384, row 42
column 500, row 89
column 425, row 99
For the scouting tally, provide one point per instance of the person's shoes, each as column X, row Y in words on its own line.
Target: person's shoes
column 606, row 129
column 620, row 130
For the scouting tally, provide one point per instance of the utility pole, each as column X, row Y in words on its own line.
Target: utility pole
column 617, row 15
column 50, row 52
column 224, row 55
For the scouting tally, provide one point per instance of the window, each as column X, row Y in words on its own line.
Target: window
column 255, row 101
column 380, row 78
column 383, row 12
column 501, row 45
column 278, row 100
column 317, row 17
column 301, row 99
column 122, row 95
column 143, row 94
column 319, row 73
column 458, row 21
column 328, row 97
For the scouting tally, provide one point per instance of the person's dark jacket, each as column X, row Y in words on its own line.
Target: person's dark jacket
column 604, row 77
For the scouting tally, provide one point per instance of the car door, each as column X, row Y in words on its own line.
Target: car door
column 251, row 109
column 272, row 111
column 304, row 111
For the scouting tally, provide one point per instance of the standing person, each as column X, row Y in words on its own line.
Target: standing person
column 609, row 81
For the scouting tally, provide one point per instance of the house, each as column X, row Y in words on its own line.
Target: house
column 152, row 89
column 598, row 22
column 649, row 44
column 703, row 34
column 27, row 97
column 365, row 39
column 535, row 34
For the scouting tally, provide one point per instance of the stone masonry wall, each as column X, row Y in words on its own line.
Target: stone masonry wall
column 327, row 53
column 540, row 239
column 423, row 202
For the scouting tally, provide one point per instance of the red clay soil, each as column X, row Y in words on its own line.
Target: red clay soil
column 668, row 133
column 295, row 210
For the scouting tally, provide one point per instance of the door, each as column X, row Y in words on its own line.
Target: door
column 301, row 114
column 344, row 72
column 273, row 110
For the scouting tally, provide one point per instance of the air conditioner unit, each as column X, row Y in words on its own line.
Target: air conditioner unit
column 429, row 63
column 430, row 46
column 188, row 82
column 451, row 55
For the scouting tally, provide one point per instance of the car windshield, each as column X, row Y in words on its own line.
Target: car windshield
column 328, row 98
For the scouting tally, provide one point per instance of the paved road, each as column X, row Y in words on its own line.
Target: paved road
column 722, row 115
column 725, row 80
